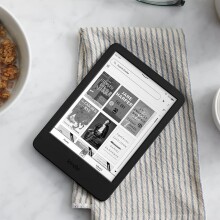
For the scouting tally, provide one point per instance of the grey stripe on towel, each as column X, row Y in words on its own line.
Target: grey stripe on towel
column 165, row 183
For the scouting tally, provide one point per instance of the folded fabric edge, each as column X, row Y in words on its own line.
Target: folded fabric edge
column 194, row 120
column 81, row 206
column 82, row 29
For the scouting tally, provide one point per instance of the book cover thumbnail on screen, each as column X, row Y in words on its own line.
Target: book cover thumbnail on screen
column 102, row 89
column 98, row 131
column 81, row 115
column 120, row 104
column 137, row 118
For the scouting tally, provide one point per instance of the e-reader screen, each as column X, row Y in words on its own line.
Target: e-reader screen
column 112, row 117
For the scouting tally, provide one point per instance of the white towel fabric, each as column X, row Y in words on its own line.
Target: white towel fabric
column 165, row 183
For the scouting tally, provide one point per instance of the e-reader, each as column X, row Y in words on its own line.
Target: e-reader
column 109, row 121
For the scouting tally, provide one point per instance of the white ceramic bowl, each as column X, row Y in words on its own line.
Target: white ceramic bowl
column 216, row 109
column 16, row 32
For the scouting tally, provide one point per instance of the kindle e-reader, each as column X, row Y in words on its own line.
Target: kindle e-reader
column 109, row 121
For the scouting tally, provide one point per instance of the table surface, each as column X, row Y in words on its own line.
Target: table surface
column 31, row 187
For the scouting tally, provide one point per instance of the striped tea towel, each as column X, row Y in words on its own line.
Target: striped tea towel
column 165, row 183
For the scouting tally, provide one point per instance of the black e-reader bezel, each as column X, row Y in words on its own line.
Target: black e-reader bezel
column 74, row 166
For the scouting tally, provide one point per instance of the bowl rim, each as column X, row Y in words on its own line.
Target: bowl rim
column 24, row 83
column 215, row 107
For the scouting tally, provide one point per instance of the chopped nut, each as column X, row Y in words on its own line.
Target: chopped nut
column 2, row 31
column 8, row 69
column 7, row 52
column 3, row 84
column 10, row 72
column 4, row 94
column 4, row 78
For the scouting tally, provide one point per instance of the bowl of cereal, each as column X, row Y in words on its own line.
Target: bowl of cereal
column 14, row 60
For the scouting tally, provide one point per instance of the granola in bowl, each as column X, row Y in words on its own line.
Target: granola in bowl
column 9, row 70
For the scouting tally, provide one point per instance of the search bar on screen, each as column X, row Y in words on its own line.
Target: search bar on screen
column 138, row 81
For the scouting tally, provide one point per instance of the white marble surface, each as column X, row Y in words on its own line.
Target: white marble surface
column 32, row 188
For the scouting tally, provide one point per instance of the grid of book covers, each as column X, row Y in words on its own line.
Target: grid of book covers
column 105, row 122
